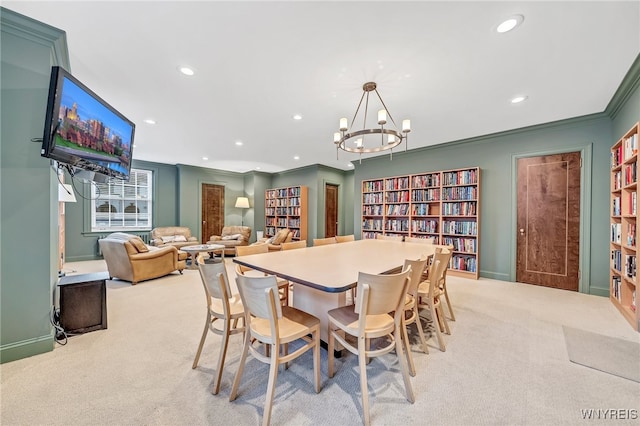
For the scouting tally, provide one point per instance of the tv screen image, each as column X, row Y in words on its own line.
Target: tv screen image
column 84, row 131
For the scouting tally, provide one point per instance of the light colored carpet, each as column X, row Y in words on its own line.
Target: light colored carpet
column 608, row 354
column 506, row 364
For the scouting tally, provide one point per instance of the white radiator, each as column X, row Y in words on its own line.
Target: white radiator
column 144, row 235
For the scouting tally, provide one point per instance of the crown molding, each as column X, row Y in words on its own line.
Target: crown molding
column 630, row 83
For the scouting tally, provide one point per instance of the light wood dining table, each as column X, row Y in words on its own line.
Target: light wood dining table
column 323, row 275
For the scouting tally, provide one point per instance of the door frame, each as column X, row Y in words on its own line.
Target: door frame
column 199, row 204
column 584, row 280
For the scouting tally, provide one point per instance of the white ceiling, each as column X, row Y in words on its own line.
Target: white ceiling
column 440, row 64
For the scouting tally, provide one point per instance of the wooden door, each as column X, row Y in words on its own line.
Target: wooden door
column 212, row 210
column 548, row 205
column 330, row 210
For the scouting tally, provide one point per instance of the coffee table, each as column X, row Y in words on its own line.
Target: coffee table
column 195, row 249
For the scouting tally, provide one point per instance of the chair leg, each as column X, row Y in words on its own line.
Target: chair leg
column 405, row 338
column 243, row 358
column 223, row 353
column 445, row 324
column 449, row 307
column 362, row 362
column 423, row 340
column 436, row 325
column 273, row 377
column 405, row 370
column 202, row 339
column 316, row 358
column 330, row 348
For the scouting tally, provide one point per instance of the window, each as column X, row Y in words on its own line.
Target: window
column 122, row 206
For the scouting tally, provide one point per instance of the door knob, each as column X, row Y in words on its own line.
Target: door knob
column 521, row 231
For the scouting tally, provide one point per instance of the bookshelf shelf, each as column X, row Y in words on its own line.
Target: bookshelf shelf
column 440, row 204
column 286, row 208
column 622, row 240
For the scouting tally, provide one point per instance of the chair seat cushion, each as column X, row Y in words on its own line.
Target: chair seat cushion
column 346, row 318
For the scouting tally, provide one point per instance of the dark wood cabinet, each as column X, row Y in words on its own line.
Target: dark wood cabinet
column 83, row 302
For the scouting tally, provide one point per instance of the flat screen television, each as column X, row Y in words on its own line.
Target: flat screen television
column 83, row 131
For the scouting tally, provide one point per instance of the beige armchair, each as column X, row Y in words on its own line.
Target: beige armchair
column 129, row 258
column 176, row 236
column 232, row 237
column 283, row 235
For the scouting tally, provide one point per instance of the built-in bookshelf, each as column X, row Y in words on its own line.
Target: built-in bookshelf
column 286, row 208
column 443, row 205
column 624, row 196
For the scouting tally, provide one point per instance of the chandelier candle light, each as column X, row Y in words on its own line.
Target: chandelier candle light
column 393, row 136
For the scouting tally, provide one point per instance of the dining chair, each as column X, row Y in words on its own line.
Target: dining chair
column 283, row 285
column 430, row 240
column 294, row 245
column 378, row 295
column 389, row 237
column 345, row 238
column 412, row 315
column 221, row 305
column 443, row 283
column 429, row 294
column 324, row 241
column 269, row 323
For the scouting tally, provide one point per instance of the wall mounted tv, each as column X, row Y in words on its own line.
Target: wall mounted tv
column 83, row 131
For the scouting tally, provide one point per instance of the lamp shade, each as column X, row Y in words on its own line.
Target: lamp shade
column 242, row 203
column 65, row 193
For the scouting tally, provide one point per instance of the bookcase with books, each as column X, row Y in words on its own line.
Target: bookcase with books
column 624, row 201
column 286, row 208
column 442, row 205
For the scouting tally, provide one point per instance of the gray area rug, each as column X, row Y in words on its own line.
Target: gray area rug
column 608, row 354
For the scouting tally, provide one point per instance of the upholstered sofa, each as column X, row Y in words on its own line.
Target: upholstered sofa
column 283, row 235
column 129, row 258
column 177, row 236
column 232, row 237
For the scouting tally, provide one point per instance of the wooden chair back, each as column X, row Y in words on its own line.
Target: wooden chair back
column 430, row 240
column 436, row 270
column 215, row 281
column 389, row 237
column 247, row 250
column 417, row 268
column 294, row 245
column 381, row 294
column 345, row 238
column 324, row 241
column 259, row 297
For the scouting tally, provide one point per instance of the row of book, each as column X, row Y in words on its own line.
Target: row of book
column 420, row 209
column 460, row 193
column 616, row 260
column 293, row 223
column 371, row 186
column 275, row 211
column 615, row 206
column 616, row 233
column 631, row 234
column 616, row 157
column 630, row 267
column 616, row 282
column 630, row 174
column 369, row 235
column 467, row 245
column 617, row 180
column 397, row 225
column 398, row 210
column 397, row 197
column 372, row 210
column 425, row 181
column 464, row 177
column 630, row 146
column 424, row 225
column 372, row 198
column 467, row 208
column 459, row 227
column 464, row 263
column 372, row 224
column 396, row 183
column 425, row 195
column 295, row 234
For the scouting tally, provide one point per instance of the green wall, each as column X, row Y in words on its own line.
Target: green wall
column 28, row 186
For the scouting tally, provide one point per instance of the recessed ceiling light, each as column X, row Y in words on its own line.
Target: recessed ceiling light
column 518, row 99
column 297, row 117
column 257, row 168
column 186, row 70
column 297, row 157
column 239, row 143
column 205, row 158
column 350, row 165
column 510, row 24
column 150, row 121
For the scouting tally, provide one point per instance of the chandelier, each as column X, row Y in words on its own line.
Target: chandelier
column 380, row 138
